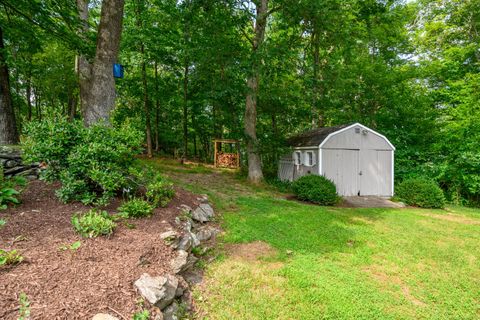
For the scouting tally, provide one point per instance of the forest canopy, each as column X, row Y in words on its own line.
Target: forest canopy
column 258, row 71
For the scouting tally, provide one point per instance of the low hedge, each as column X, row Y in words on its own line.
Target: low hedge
column 420, row 192
column 316, row 189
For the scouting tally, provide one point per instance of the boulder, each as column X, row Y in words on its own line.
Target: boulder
column 171, row 238
column 203, row 198
column 171, row 312
column 203, row 213
column 104, row 316
column 206, row 233
column 188, row 241
column 182, row 262
column 159, row 291
column 185, row 208
column 179, row 263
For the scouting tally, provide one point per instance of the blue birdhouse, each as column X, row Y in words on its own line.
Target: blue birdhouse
column 118, row 70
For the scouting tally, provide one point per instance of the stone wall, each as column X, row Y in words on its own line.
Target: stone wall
column 12, row 164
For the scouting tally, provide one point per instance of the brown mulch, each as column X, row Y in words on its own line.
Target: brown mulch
column 98, row 277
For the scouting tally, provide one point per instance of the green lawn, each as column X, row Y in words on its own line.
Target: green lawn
column 336, row 263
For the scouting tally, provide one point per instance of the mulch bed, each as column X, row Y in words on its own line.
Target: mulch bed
column 98, row 277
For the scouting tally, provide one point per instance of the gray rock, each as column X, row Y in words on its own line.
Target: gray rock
column 179, row 263
column 171, row 312
column 185, row 208
column 193, row 277
column 11, row 163
column 159, row 291
column 104, row 316
column 206, row 233
column 171, row 238
column 169, row 235
column 203, row 213
column 203, row 198
column 186, row 242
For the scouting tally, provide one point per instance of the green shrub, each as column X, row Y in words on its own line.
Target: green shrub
column 93, row 223
column 11, row 257
column 316, row 189
column 159, row 191
column 92, row 163
column 136, row 208
column 420, row 192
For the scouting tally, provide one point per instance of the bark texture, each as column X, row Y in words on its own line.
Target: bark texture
column 8, row 124
column 255, row 173
column 97, row 85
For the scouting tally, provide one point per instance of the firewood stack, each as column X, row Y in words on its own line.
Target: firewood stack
column 227, row 160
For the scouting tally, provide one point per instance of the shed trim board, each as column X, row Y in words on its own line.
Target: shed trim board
column 351, row 126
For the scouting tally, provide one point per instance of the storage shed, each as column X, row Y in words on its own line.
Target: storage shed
column 357, row 159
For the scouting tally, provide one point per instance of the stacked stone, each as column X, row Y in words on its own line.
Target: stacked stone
column 12, row 164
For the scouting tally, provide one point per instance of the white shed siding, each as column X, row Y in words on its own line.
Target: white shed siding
column 341, row 167
column 349, row 139
column 358, row 162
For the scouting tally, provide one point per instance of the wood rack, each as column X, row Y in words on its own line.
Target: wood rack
column 225, row 159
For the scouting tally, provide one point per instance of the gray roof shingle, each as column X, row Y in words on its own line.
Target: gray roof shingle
column 315, row 137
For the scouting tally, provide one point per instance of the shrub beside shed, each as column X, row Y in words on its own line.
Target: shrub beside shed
column 356, row 158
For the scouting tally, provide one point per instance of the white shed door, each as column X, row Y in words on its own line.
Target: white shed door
column 375, row 173
column 342, row 167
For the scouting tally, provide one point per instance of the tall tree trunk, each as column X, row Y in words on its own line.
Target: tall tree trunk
column 185, row 111
column 146, row 106
column 8, row 124
column 29, row 94
column 317, row 115
column 84, row 68
column 72, row 104
column 255, row 173
column 100, row 99
column 157, row 110
column 146, row 103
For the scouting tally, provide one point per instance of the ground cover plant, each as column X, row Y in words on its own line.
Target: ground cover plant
column 10, row 257
column 136, row 208
column 93, row 223
column 288, row 260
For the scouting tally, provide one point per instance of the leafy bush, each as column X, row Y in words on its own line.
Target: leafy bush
column 160, row 191
column 136, row 208
column 92, row 163
column 316, row 189
column 11, row 257
column 420, row 192
column 93, row 223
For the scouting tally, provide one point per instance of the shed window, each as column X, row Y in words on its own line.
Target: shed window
column 297, row 158
column 309, row 158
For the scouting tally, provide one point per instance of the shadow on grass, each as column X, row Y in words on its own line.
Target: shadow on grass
column 287, row 225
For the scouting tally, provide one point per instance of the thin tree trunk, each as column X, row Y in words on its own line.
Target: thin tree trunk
column 157, row 110
column 146, row 107
column 72, row 104
column 29, row 95
column 255, row 173
column 8, row 124
column 185, row 111
column 101, row 93
column 146, row 103
column 317, row 117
